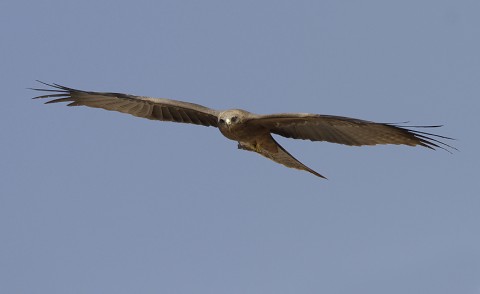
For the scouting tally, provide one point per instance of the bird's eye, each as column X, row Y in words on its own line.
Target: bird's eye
column 234, row 119
column 222, row 121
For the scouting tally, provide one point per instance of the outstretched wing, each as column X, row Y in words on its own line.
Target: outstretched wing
column 345, row 130
column 146, row 107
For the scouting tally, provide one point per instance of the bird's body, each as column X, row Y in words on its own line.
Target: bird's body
column 253, row 132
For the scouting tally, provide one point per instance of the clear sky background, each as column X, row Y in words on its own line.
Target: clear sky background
column 102, row 202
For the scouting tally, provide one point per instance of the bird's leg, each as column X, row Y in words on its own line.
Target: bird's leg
column 245, row 147
column 250, row 147
column 257, row 147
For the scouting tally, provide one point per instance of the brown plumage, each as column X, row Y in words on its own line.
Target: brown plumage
column 253, row 131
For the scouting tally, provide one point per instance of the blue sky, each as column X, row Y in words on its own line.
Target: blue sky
column 101, row 202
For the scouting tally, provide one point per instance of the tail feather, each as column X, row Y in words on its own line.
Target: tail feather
column 279, row 155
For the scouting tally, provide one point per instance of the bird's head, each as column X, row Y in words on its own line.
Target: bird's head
column 230, row 118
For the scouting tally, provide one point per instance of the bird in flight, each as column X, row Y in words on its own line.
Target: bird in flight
column 253, row 132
